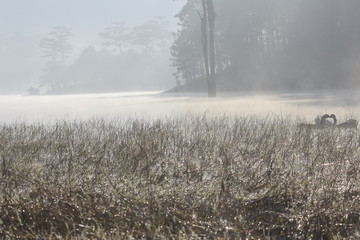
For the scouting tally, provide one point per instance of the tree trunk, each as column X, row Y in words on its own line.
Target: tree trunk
column 204, row 44
column 208, row 44
column 211, row 19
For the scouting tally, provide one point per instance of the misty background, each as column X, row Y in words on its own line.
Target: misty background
column 89, row 60
column 274, row 44
column 117, row 45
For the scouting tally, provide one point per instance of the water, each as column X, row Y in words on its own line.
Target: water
column 305, row 105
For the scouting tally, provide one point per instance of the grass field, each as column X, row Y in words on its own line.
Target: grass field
column 189, row 177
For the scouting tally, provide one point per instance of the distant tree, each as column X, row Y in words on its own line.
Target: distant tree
column 186, row 49
column 54, row 77
column 56, row 47
column 116, row 36
column 187, row 59
column 250, row 35
column 254, row 36
column 151, row 35
column 33, row 91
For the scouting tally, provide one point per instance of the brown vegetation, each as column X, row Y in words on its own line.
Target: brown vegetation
column 183, row 178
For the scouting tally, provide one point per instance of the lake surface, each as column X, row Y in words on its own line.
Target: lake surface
column 305, row 105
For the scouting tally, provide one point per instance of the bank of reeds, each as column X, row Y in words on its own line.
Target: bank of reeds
column 190, row 177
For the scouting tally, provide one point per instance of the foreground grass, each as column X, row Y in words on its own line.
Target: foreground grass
column 190, row 177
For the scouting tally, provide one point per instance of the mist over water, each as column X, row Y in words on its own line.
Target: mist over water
column 116, row 114
column 147, row 105
column 269, row 52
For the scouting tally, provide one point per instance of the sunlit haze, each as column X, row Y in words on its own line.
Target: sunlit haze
column 179, row 119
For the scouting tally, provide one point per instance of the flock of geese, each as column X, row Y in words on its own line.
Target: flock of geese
column 324, row 122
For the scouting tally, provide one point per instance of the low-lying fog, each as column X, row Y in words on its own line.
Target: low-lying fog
column 72, row 47
column 305, row 106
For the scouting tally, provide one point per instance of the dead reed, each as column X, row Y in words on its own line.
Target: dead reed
column 188, row 177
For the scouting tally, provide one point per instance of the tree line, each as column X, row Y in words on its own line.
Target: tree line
column 272, row 44
column 130, row 58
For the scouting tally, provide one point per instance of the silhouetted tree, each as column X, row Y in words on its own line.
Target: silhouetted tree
column 117, row 36
column 56, row 48
column 208, row 44
column 151, row 35
column 274, row 44
column 205, row 43
column 212, row 64
column 186, row 49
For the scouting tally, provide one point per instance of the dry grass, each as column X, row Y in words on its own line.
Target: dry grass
column 189, row 177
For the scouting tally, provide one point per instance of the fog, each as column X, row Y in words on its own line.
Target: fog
column 276, row 44
column 149, row 105
column 25, row 24
column 114, row 58
column 179, row 119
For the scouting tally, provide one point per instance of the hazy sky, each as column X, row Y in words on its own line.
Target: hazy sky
column 33, row 19
column 85, row 16
column 23, row 23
